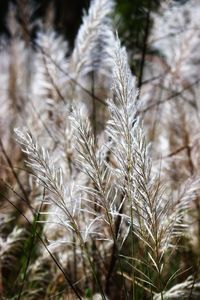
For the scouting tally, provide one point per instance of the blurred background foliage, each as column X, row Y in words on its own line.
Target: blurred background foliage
column 132, row 17
column 132, row 20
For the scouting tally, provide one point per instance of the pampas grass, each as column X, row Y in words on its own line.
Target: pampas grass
column 103, row 194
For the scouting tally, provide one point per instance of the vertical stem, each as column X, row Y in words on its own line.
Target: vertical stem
column 115, row 256
column 94, row 112
column 75, row 260
column 158, row 259
column 84, row 247
column 144, row 50
column 33, row 238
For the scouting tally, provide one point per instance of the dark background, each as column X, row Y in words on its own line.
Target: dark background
column 68, row 14
column 133, row 25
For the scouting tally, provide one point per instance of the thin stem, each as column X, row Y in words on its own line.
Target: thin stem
column 67, row 278
column 32, row 244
